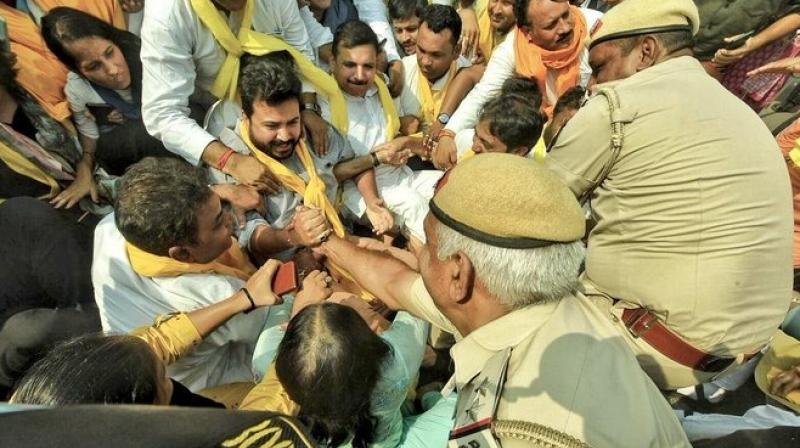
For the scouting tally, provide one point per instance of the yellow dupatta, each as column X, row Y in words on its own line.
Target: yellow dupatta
column 25, row 167
column 233, row 263
column 431, row 103
column 389, row 111
column 255, row 43
column 313, row 192
column 487, row 38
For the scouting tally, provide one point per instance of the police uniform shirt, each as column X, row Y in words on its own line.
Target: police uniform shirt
column 694, row 220
column 568, row 372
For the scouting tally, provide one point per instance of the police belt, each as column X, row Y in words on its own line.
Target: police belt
column 643, row 323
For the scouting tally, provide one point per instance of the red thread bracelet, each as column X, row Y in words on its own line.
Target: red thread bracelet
column 223, row 159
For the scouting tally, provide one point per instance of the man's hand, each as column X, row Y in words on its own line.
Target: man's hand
column 309, row 227
column 393, row 152
column 431, row 139
column 376, row 322
column 115, row 117
column 789, row 66
column 445, row 155
column 725, row 57
column 82, row 185
column 131, row 6
column 469, row 32
column 242, row 198
column 409, row 125
column 786, row 382
column 380, row 217
column 316, row 288
column 396, row 78
column 260, row 284
column 319, row 131
column 249, row 171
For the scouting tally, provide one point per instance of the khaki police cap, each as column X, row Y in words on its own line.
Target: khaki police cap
column 508, row 201
column 637, row 17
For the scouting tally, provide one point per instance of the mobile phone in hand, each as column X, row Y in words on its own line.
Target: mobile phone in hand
column 100, row 112
column 285, row 280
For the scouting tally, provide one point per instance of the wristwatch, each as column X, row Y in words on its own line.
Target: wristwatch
column 313, row 107
column 443, row 118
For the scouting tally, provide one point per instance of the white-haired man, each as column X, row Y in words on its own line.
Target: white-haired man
column 537, row 363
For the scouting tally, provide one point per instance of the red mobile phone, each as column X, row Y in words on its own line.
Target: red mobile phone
column 285, row 280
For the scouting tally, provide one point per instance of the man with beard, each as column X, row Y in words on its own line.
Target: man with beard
column 271, row 130
column 546, row 47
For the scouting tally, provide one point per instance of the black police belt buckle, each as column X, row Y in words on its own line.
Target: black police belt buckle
column 477, row 405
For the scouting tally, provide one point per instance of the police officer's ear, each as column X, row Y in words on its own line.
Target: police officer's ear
column 650, row 51
column 461, row 279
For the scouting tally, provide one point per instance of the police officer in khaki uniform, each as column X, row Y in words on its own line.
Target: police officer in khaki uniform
column 691, row 256
column 537, row 364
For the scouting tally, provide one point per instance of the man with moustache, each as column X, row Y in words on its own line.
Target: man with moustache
column 188, row 48
column 271, row 130
column 546, row 47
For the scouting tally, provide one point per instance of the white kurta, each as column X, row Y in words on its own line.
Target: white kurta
column 501, row 66
column 405, row 193
column 180, row 54
column 127, row 300
column 409, row 102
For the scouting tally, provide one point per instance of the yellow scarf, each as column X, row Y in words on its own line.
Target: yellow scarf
column 18, row 163
column 487, row 40
column 313, row 193
column 432, row 102
column 392, row 120
column 233, row 263
column 255, row 43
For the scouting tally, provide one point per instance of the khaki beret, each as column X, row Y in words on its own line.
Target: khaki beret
column 508, row 201
column 638, row 17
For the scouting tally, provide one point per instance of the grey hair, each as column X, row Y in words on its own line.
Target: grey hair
column 517, row 277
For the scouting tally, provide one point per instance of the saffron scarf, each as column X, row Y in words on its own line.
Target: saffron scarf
column 533, row 61
column 40, row 73
column 108, row 11
column 255, row 43
column 233, row 263
column 487, row 39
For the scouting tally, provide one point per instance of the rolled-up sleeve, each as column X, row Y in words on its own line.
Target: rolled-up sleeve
column 168, row 79
column 501, row 67
column 373, row 13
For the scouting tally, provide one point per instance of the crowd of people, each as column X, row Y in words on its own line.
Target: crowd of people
column 471, row 223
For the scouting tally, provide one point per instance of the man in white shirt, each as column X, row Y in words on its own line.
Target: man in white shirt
column 181, row 56
column 545, row 30
column 169, row 247
column 371, row 114
column 429, row 72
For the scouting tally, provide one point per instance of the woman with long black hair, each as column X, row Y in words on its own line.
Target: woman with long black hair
column 104, row 90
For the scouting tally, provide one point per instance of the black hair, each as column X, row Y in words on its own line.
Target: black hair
column 571, row 99
column 521, row 11
column 270, row 78
column 158, row 201
column 405, row 9
column 93, row 368
column 442, row 17
column 8, row 74
column 514, row 120
column 523, row 87
column 329, row 362
column 63, row 25
column 354, row 33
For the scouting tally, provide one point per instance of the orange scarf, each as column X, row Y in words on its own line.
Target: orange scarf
column 39, row 72
column 106, row 10
column 533, row 61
